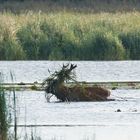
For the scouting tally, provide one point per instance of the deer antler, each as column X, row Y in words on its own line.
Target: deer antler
column 73, row 66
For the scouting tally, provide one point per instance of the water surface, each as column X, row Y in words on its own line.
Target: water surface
column 31, row 71
column 78, row 120
column 81, row 120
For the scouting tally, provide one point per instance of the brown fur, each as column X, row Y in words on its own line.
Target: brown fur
column 81, row 93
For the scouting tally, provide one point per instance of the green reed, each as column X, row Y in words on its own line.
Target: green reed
column 69, row 36
column 4, row 122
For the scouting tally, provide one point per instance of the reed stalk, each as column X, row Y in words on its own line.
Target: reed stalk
column 69, row 35
column 4, row 125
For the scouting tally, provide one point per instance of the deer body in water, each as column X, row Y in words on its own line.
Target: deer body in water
column 55, row 85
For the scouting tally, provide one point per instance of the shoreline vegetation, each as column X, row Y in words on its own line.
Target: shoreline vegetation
column 70, row 30
column 3, row 114
column 8, row 116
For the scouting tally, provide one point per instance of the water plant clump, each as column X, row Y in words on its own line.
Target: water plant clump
column 56, row 85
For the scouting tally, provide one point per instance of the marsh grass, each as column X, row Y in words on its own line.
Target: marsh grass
column 7, row 106
column 8, row 112
column 69, row 36
column 4, row 120
column 131, row 42
column 10, row 48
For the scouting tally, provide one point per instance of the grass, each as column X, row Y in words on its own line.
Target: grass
column 6, row 114
column 4, row 125
column 70, row 32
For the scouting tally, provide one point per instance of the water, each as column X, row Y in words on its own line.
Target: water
column 31, row 71
column 78, row 120
column 39, row 112
column 81, row 120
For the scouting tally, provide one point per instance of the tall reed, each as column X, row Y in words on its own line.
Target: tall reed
column 14, row 106
column 131, row 43
column 10, row 48
column 69, row 36
column 4, row 125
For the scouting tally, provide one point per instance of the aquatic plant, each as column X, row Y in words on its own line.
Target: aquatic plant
column 4, row 121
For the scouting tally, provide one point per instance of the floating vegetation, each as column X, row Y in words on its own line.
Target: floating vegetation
column 34, row 87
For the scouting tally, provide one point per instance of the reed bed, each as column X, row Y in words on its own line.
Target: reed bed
column 8, row 112
column 69, row 36
column 4, row 125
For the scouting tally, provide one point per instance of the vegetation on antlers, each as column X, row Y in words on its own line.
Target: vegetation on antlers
column 55, row 85
column 56, row 81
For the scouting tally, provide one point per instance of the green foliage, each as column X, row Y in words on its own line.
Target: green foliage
column 11, row 51
column 10, row 48
column 68, row 36
column 32, row 39
column 3, row 116
column 131, row 42
column 34, row 87
column 64, row 48
column 105, row 46
column 3, row 113
column 56, row 81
